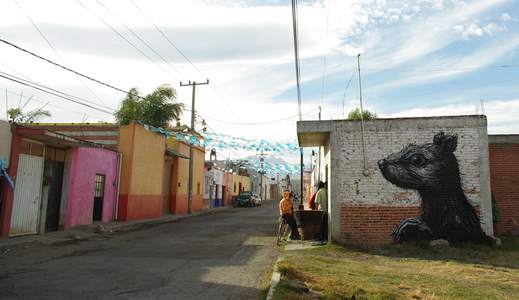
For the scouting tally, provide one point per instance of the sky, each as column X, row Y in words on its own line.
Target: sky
column 418, row 58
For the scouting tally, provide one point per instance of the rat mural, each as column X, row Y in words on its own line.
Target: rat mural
column 432, row 170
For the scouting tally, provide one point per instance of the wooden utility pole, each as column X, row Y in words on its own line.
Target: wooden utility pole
column 190, row 189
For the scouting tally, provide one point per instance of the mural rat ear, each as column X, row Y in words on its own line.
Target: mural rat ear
column 447, row 142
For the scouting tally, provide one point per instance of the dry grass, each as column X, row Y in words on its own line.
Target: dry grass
column 405, row 272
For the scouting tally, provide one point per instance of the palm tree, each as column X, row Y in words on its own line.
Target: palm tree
column 156, row 109
column 16, row 115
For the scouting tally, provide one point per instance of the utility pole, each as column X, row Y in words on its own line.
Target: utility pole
column 319, row 113
column 262, row 159
column 190, row 188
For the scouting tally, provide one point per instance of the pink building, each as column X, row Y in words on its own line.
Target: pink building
column 91, row 189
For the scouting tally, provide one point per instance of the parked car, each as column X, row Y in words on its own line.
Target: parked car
column 256, row 200
column 244, row 199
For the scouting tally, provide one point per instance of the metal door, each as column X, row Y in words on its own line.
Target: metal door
column 99, row 196
column 27, row 195
column 53, row 179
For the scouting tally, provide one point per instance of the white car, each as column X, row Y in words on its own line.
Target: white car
column 256, row 200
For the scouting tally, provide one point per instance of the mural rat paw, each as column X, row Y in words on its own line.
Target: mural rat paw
column 411, row 230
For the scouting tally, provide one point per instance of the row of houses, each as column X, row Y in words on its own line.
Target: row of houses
column 66, row 175
column 365, row 205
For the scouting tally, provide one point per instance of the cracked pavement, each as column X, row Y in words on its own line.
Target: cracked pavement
column 226, row 255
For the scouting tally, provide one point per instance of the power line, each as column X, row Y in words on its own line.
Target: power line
column 323, row 81
column 345, row 90
column 66, row 68
column 442, row 69
column 122, row 37
column 296, row 53
column 51, row 89
column 55, row 50
column 139, row 38
column 262, row 122
column 50, row 104
column 142, row 41
column 60, row 95
column 167, row 38
column 163, row 34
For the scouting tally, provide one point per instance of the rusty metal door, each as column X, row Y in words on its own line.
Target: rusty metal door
column 53, row 180
column 27, row 195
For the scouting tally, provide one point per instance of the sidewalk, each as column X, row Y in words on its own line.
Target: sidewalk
column 88, row 231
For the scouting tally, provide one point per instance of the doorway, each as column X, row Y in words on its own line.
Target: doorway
column 53, row 181
column 98, row 198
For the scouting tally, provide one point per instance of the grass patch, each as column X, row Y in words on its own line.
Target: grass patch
column 404, row 272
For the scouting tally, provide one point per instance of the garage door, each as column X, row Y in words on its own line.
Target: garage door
column 27, row 195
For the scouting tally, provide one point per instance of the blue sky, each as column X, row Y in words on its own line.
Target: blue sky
column 418, row 57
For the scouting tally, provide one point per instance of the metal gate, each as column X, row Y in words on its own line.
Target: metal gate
column 27, row 195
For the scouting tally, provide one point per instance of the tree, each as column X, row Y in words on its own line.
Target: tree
column 156, row 109
column 130, row 108
column 366, row 115
column 16, row 115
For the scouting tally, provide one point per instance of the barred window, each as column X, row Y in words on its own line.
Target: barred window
column 100, row 185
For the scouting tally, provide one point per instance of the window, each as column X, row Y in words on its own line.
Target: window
column 100, row 185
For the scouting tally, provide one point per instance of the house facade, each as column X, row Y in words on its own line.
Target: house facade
column 47, row 185
column 364, row 205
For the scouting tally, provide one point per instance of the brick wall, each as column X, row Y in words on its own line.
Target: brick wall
column 370, row 206
column 504, row 176
column 371, row 225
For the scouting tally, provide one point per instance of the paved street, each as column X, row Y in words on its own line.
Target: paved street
column 226, row 255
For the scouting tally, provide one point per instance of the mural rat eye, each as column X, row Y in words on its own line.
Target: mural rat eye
column 417, row 160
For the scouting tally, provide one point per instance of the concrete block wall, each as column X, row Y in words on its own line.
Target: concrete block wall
column 365, row 209
column 504, row 175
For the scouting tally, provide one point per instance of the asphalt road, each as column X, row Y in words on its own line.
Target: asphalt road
column 226, row 255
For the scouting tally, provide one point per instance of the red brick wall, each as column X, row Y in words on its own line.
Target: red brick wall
column 371, row 225
column 504, row 178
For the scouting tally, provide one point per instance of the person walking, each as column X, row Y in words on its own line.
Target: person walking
column 321, row 200
column 286, row 211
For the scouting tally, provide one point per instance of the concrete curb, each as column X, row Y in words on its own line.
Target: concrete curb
column 276, row 277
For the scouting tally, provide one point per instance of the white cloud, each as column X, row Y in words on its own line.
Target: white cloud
column 479, row 58
column 501, row 114
column 245, row 50
column 507, row 17
column 474, row 29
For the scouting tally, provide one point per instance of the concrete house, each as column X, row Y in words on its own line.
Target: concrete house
column 60, row 182
column 364, row 206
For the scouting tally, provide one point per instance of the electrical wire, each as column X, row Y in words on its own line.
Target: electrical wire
column 442, row 69
column 123, row 37
column 55, row 50
column 345, row 90
column 149, row 47
column 140, row 39
column 325, row 53
column 51, row 89
column 262, row 122
column 66, row 68
column 60, row 95
column 50, row 104
column 296, row 54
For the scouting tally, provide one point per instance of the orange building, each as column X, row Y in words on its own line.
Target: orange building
column 141, row 173
column 180, row 177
